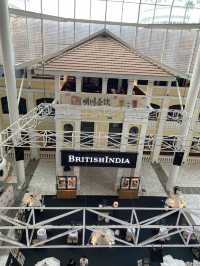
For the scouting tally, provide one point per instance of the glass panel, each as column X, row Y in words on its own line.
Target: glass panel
column 130, row 12
column 146, row 13
column 81, row 31
column 149, row 1
column 131, row 1
column 192, row 16
column 83, row 9
column 162, row 14
column 165, row 2
column 114, row 29
column 50, row 7
column 182, row 3
column 66, row 8
column 95, row 27
column 98, row 10
column 33, row 5
column 177, row 14
column 114, row 11
column 19, row 4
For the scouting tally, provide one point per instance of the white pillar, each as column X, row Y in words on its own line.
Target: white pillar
column 59, row 142
column 57, row 87
column 119, row 83
column 120, row 172
column 130, row 87
column 124, row 141
column 187, row 117
column 78, row 84
column 190, row 134
column 29, row 76
column 159, row 134
column 104, row 85
column 171, row 182
column 143, row 133
column 77, row 147
column 34, row 152
column 9, row 71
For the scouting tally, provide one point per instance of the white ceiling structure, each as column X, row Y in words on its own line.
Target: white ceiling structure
column 166, row 30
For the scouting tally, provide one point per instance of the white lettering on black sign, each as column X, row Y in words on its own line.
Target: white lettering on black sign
column 94, row 158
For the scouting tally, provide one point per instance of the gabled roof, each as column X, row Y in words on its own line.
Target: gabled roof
column 105, row 54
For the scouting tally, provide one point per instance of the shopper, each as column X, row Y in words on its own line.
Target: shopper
column 84, row 261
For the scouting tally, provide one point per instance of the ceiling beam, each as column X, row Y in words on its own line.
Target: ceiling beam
column 174, row 26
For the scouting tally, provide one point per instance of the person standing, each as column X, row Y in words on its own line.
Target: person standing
column 84, row 261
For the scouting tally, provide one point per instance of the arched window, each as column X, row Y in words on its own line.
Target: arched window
column 174, row 113
column 22, row 106
column 68, row 131
column 133, row 135
column 154, row 114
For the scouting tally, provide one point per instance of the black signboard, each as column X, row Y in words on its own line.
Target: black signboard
column 98, row 159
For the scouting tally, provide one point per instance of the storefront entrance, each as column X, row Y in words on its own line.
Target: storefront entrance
column 98, row 180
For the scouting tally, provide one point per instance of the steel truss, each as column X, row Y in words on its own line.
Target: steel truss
column 180, row 230
column 32, row 119
column 23, row 133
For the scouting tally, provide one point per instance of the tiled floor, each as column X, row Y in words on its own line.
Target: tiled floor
column 44, row 178
column 150, row 181
column 189, row 175
column 94, row 181
column 98, row 181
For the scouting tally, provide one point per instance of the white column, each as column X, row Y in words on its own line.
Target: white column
column 190, row 134
column 78, row 84
column 57, row 87
column 34, row 152
column 119, row 83
column 143, row 133
column 171, row 182
column 77, row 147
column 59, row 142
column 9, row 71
column 130, row 87
column 124, row 141
column 159, row 134
column 29, row 77
column 187, row 117
column 120, row 173
column 104, row 85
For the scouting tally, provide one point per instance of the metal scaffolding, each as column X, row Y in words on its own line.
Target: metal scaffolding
column 151, row 231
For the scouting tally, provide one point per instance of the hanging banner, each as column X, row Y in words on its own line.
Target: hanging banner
column 98, row 159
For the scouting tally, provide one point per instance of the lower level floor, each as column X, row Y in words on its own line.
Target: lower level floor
column 101, row 181
column 105, row 256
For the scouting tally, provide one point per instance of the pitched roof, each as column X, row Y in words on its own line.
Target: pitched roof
column 104, row 54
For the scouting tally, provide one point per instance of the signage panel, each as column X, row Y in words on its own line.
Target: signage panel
column 98, row 159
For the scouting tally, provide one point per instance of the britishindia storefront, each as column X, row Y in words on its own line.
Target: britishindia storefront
column 99, row 160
